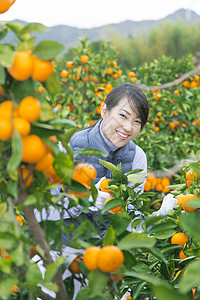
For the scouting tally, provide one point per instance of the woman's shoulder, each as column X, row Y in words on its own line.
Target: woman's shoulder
column 139, row 153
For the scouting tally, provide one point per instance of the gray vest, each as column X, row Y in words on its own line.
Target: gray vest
column 92, row 138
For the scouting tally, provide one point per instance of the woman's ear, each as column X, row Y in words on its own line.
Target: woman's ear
column 104, row 111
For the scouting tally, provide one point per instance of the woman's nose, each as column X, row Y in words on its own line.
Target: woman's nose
column 127, row 126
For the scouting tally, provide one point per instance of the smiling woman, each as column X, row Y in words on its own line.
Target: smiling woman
column 124, row 113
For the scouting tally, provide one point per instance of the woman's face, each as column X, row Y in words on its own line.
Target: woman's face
column 121, row 124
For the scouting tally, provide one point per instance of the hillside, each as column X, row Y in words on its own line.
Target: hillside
column 68, row 36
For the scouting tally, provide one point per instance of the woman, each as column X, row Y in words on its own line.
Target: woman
column 123, row 114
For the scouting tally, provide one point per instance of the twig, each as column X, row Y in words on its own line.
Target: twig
column 172, row 83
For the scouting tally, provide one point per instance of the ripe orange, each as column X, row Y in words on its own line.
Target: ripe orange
column 54, row 178
column 183, row 200
column 182, row 255
column 90, row 258
column 19, row 220
column 147, row 186
column 45, row 162
column 131, row 74
column 64, row 73
column 115, row 75
column 25, row 176
column 5, row 5
column 33, row 148
column 22, row 66
column 110, row 258
column 42, row 69
column 104, row 184
column 2, row 91
column 6, row 109
column 84, row 59
column 41, row 89
column 109, row 71
column 22, row 126
column 114, row 210
column 6, row 129
column 14, row 289
column 29, row 108
column 179, row 238
column 156, row 128
column 84, row 173
column 69, row 64
column 74, row 267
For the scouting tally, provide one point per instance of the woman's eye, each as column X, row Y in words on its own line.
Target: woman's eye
column 122, row 115
column 138, row 121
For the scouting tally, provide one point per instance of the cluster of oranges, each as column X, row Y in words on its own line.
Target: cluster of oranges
column 191, row 83
column 108, row 258
column 26, row 65
column 160, row 184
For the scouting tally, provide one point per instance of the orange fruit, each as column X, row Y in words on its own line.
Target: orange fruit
column 156, row 128
column 6, row 109
column 64, row 73
column 45, row 162
column 54, row 178
column 114, row 210
column 104, row 184
column 78, row 194
column 25, row 176
column 2, row 91
column 29, row 108
column 147, row 186
column 114, row 63
column 5, row 5
column 74, row 267
column 22, row 126
column 84, row 59
column 33, row 148
column 90, row 258
column 84, row 173
column 6, row 129
column 42, row 69
column 69, row 64
column 179, row 238
column 131, row 74
column 22, row 66
column 183, row 199
column 115, row 75
column 159, row 114
column 19, row 220
column 190, row 176
column 109, row 71
column 41, row 89
column 186, row 83
column 182, row 255
column 14, row 289
column 110, row 258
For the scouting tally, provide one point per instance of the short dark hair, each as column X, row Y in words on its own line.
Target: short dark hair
column 136, row 99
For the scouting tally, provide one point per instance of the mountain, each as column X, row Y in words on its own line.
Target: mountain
column 68, row 35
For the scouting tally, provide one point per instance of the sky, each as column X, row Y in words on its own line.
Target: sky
column 91, row 13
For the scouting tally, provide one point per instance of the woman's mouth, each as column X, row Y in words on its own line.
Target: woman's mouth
column 121, row 135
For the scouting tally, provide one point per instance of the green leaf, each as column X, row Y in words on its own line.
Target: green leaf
column 133, row 178
column 191, row 277
column 33, row 277
column 110, row 236
column 91, row 152
column 132, row 171
column 64, row 166
column 3, row 209
column 48, row 49
column 7, row 55
column 15, row 27
column 144, row 277
column 15, row 159
column 18, row 256
column 161, row 227
column 136, row 240
column 52, row 268
column 12, row 188
column 112, row 204
column 7, row 240
column 23, row 88
column 27, row 44
column 34, row 28
column 119, row 222
column 189, row 223
column 108, row 165
column 6, row 287
column 52, row 84
column 96, row 287
column 166, row 292
column 165, row 235
column 2, row 75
